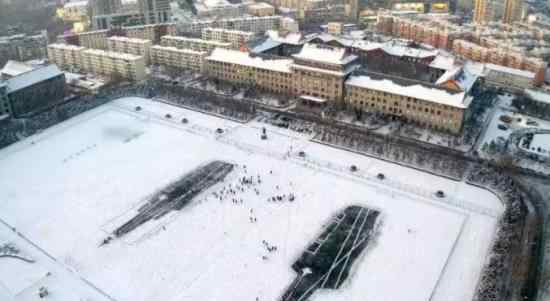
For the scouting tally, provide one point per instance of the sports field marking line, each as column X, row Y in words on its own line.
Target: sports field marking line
column 353, row 245
column 342, row 245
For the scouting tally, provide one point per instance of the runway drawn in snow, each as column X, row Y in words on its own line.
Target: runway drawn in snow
column 327, row 261
column 177, row 194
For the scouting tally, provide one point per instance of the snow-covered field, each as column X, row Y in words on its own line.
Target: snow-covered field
column 66, row 187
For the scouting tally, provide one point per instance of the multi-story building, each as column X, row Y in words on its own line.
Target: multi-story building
column 178, row 58
column 151, row 32
column 65, row 56
column 34, row 90
column 93, row 39
column 261, row 9
column 117, row 20
column 75, row 10
column 219, row 9
column 237, row 38
column 509, row 78
column 134, row 46
column 155, row 11
column 488, row 10
column 513, row 10
column 427, row 105
column 500, row 55
column 315, row 73
column 436, row 32
column 5, row 109
column 320, row 71
column 192, row 43
column 113, row 64
column 124, row 65
column 104, row 7
column 251, row 24
column 22, row 47
column 273, row 75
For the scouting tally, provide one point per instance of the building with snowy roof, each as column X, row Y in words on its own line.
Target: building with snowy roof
column 428, row 105
column 320, row 71
column 507, row 77
column 33, row 90
column 242, row 68
column 14, row 68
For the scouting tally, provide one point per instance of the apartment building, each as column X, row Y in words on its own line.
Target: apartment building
column 508, row 78
column 436, row 32
column 261, row 9
column 97, row 61
column 151, row 32
column 134, row 46
column 237, row 38
column 513, row 10
column 488, row 10
column 65, row 56
column 104, row 7
column 22, row 47
column 192, row 43
column 127, row 66
column 96, row 39
column 155, row 11
column 502, row 56
column 250, row 24
column 426, row 105
column 273, row 75
column 178, row 58
column 75, row 11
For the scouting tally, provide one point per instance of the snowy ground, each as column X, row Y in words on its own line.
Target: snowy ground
column 65, row 188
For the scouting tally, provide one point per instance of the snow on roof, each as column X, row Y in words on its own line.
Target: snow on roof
column 265, row 46
column 14, row 68
column 130, row 40
column 180, row 50
column 397, row 48
column 416, row 91
column 65, row 46
column 244, row 58
column 196, row 40
column 111, row 54
column 538, row 95
column 474, row 68
column 443, row 62
column 503, row 69
column 33, row 77
column 76, row 4
column 225, row 30
column 260, row 5
column 291, row 38
column 314, row 99
column 325, row 54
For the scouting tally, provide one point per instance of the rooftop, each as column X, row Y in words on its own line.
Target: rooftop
column 171, row 48
column 537, row 95
column 65, row 46
column 196, row 40
column 431, row 94
column 14, row 68
column 111, row 54
column 244, row 58
column 131, row 40
column 503, row 69
column 325, row 54
column 32, row 77
column 234, row 31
